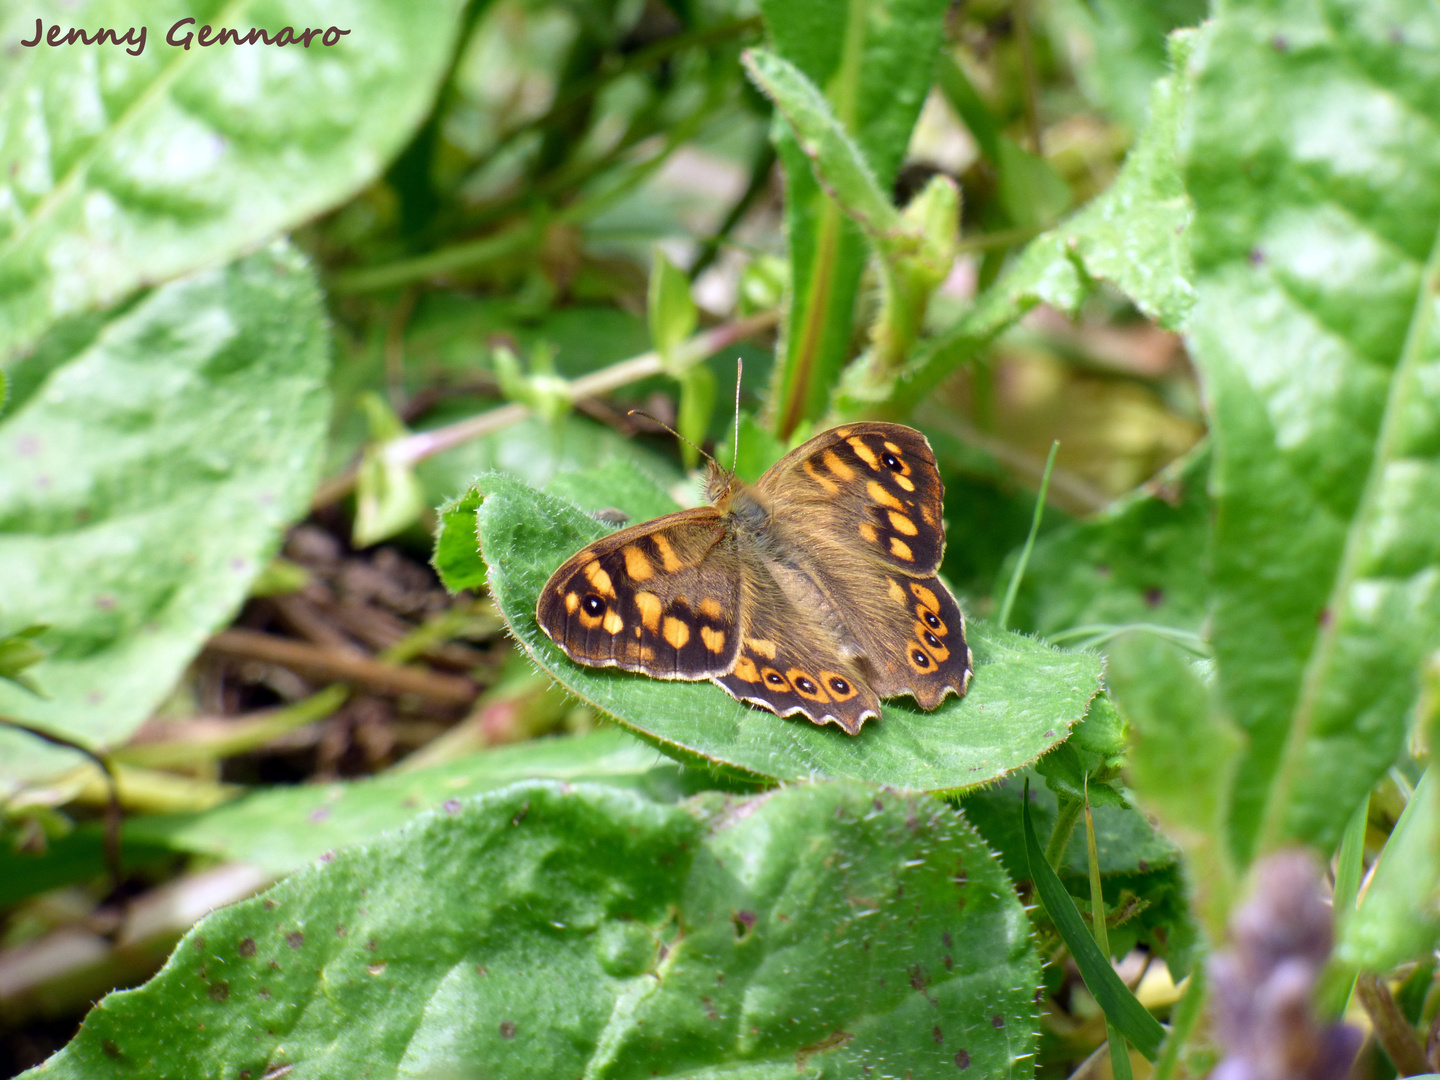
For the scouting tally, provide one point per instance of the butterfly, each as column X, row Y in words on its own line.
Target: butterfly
column 812, row 592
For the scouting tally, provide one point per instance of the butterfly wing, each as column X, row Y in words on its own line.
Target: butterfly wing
column 862, row 502
column 660, row 598
column 787, row 661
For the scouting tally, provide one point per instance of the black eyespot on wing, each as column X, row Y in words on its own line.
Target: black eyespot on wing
column 839, row 685
column 921, row 658
column 805, row 684
column 774, row 679
column 891, row 462
column 593, row 605
column 932, row 620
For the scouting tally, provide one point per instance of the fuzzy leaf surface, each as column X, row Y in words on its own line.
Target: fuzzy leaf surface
column 540, row 931
column 118, row 171
column 149, row 474
column 1313, row 159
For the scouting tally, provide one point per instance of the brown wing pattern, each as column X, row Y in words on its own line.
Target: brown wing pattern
column 868, row 484
column 917, row 646
column 659, row 598
column 788, row 664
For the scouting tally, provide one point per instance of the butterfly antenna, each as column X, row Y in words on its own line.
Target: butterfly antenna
column 739, row 370
column 672, row 431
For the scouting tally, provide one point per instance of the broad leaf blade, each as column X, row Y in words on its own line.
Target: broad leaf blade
column 1318, row 280
column 120, row 171
column 874, row 61
column 823, row 927
column 149, row 476
column 1022, row 701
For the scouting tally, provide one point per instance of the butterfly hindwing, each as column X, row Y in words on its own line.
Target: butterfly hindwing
column 869, row 488
column 914, row 640
column 788, row 665
column 660, row 598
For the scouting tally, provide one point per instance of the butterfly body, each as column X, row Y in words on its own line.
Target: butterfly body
column 812, row 592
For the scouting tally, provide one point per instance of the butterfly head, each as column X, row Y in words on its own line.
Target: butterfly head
column 720, row 484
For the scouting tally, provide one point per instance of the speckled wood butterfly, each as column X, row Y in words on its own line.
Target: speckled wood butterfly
column 811, row 592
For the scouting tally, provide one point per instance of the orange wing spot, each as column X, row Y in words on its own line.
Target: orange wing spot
column 932, row 644
column 903, row 524
column 928, row 515
column 590, row 622
column 893, row 448
column 896, row 593
column 761, row 646
column 901, row 550
column 676, row 632
column 838, row 686
column 868, row 532
column 925, row 596
column 931, row 620
column 806, row 686
column 638, row 632
column 905, row 482
column 835, row 465
column 612, row 622
column 572, row 601
column 843, row 432
column 668, row 558
column 863, row 452
column 774, row 680
column 650, row 607
column 824, row 481
column 745, row 670
column 638, row 564
column 714, row 639
column 710, row 608
column 599, row 579
column 883, row 497
column 646, row 654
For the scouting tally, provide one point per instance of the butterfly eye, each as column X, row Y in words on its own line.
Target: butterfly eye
column 921, row 660
column 593, row 605
column 891, row 462
column 840, row 686
column 932, row 621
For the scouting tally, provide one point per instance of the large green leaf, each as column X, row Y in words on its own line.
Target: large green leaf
column 1023, row 700
column 118, row 171
column 1133, row 234
column 545, row 932
column 873, row 59
column 1314, row 164
column 149, row 474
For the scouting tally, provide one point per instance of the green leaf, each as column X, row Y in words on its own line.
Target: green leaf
column 1121, row 1006
column 120, row 171
column 1133, row 234
column 1182, row 757
column 1140, row 560
column 874, row 58
column 670, row 309
column 697, row 405
column 149, row 477
column 1022, row 701
column 1318, row 284
column 18, row 651
column 1397, row 921
column 457, row 547
column 822, row 927
column 839, row 164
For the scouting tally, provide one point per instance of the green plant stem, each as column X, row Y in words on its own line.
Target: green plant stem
column 1065, row 821
column 412, row 449
column 1019, row 574
column 1393, row 1032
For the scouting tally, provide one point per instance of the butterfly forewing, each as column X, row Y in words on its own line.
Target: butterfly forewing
column 869, row 488
column 879, row 495
column 659, row 598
